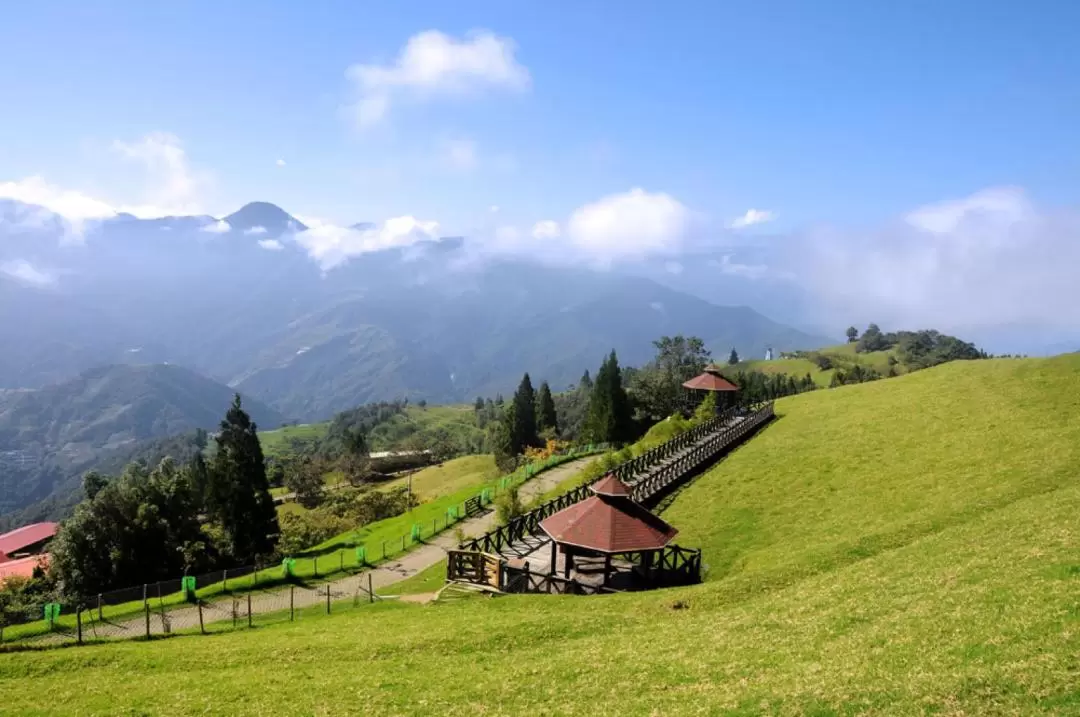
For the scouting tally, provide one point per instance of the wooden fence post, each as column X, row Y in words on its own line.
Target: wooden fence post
column 292, row 603
column 328, row 598
column 146, row 606
column 370, row 592
column 78, row 624
column 249, row 609
column 202, row 627
column 225, row 580
column 99, row 617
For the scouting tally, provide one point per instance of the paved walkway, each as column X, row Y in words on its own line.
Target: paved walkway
column 280, row 598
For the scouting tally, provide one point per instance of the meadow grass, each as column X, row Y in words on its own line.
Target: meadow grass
column 898, row 547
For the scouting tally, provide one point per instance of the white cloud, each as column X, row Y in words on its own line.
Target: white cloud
column 673, row 267
column 546, row 229
column 280, row 162
column 494, row 209
column 507, row 234
column 216, row 227
column 748, row 271
column 25, row 272
column 991, row 259
column 752, row 217
column 271, row 244
column 996, row 205
column 173, row 187
column 331, row 245
column 253, row 231
column 434, row 64
column 630, row 225
column 460, row 154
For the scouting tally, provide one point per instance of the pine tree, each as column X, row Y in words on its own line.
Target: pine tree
column 238, row 494
column 733, row 358
column 502, row 441
column 524, row 425
column 546, row 419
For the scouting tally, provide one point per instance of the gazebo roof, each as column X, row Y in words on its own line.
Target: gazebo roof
column 610, row 485
column 710, row 380
column 608, row 522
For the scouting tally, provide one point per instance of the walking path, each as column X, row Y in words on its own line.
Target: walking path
column 284, row 597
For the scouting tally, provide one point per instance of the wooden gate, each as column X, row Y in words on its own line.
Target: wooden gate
column 474, row 567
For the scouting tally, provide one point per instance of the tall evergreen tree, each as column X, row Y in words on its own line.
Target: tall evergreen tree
column 546, row 419
column 524, row 425
column 733, row 358
column 608, row 419
column 238, row 495
column 586, row 381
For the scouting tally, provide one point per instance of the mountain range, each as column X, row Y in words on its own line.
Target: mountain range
column 239, row 300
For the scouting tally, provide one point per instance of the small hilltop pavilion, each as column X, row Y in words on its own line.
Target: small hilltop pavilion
column 589, row 534
column 712, row 381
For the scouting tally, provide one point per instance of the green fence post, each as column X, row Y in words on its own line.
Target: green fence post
column 361, row 555
column 415, row 535
column 187, row 587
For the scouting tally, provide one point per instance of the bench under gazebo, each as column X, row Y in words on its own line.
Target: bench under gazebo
column 606, row 524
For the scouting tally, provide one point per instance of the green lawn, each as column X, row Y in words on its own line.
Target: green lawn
column 276, row 442
column 448, row 477
column 842, row 356
column 898, row 547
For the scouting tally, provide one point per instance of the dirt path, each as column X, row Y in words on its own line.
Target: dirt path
column 282, row 597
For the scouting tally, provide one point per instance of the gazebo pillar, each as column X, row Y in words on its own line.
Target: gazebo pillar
column 554, row 556
column 607, row 568
column 568, row 563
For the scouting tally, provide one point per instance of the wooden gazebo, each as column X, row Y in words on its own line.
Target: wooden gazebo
column 605, row 524
column 712, row 380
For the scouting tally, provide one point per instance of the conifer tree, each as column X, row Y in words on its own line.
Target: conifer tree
column 733, row 358
column 608, row 419
column 524, row 425
column 546, row 419
column 238, row 494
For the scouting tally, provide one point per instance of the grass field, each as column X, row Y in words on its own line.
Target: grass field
column 449, row 477
column 843, row 357
column 897, row 547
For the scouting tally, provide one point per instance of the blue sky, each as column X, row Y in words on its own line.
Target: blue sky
column 843, row 111
column 829, row 124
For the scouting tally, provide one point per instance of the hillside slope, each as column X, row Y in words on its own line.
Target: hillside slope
column 897, row 547
column 47, row 435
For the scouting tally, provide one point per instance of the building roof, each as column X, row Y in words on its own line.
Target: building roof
column 710, row 380
column 608, row 522
column 20, row 538
column 610, row 485
column 23, row 567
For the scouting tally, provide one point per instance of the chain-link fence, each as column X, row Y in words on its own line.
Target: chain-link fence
column 246, row 595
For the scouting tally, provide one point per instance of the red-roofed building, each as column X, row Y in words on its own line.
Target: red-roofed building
column 23, row 567
column 606, row 523
column 27, row 540
column 710, row 380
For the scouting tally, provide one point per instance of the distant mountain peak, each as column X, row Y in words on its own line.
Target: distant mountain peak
column 266, row 219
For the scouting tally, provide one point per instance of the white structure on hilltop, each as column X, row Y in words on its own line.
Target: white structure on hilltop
column 768, row 354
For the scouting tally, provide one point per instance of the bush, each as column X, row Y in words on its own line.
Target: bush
column 508, row 506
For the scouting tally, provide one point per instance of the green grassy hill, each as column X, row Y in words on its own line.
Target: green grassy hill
column 841, row 357
column 414, row 424
column 896, row 547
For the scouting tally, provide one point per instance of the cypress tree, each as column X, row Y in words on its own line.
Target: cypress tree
column 238, row 494
column 524, row 425
column 608, row 419
column 546, row 419
column 733, row 358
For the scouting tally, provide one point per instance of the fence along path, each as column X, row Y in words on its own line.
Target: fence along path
column 165, row 619
column 648, row 476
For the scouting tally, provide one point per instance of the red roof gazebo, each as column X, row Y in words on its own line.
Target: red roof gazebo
column 710, row 380
column 606, row 523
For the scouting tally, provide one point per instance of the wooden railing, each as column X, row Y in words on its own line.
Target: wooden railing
column 668, row 463
column 669, row 567
column 474, row 567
